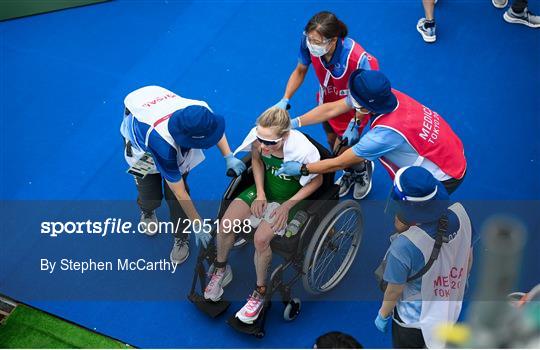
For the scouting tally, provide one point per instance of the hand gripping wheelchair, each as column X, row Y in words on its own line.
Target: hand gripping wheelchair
column 320, row 253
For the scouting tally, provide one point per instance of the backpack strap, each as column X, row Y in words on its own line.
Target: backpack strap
column 439, row 240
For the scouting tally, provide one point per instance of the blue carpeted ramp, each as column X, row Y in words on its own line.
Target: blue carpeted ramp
column 63, row 79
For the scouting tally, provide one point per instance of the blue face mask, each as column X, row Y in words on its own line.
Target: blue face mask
column 317, row 50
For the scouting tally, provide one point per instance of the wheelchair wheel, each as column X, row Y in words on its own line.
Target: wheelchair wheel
column 333, row 247
column 292, row 309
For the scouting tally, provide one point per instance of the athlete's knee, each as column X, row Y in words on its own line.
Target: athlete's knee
column 262, row 238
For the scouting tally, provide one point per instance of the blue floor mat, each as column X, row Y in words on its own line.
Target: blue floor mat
column 64, row 76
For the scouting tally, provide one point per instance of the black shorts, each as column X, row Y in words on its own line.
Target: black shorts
column 406, row 338
column 452, row 184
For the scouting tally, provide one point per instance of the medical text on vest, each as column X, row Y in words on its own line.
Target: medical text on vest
column 444, row 284
column 430, row 126
column 158, row 99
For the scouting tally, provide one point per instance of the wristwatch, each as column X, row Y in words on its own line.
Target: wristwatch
column 304, row 170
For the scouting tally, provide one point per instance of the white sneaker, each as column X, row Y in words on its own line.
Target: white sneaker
column 251, row 311
column 219, row 278
column 180, row 251
column 345, row 183
column 500, row 4
column 362, row 181
column 428, row 34
column 526, row 18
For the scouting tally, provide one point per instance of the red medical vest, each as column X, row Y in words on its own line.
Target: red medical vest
column 335, row 88
column 427, row 133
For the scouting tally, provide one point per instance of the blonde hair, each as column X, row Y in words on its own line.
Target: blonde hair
column 275, row 118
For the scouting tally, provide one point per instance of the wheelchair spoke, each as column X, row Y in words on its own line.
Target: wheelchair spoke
column 335, row 249
column 325, row 269
column 337, row 264
column 324, row 261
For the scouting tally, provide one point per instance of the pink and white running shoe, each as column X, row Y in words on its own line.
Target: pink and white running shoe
column 251, row 311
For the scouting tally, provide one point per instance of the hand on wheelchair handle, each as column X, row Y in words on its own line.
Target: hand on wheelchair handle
column 352, row 133
column 289, row 168
column 235, row 166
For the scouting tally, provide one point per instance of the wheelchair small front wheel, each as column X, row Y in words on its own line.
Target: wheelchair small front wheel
column 259, row 335
column 333, row 247
column 292, row 309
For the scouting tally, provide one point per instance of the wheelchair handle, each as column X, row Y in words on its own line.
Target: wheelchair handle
column 342, row 144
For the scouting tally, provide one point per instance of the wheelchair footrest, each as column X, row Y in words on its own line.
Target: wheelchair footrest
column 256, row 329
column 211, row 308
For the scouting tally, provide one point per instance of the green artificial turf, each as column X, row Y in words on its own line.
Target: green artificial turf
column 19, row 8
column 29, row 328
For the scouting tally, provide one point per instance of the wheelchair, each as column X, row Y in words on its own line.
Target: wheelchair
column 320, row 254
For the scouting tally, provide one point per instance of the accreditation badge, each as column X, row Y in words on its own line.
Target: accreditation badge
column 143, row 166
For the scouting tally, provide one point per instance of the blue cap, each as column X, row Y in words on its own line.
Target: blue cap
column 420, row 198
column 196, row 127
column 372, row 90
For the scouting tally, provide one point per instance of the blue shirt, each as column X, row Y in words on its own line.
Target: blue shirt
column 165, row 156
column 338, row 62
column 380, row 142
column 404, row 260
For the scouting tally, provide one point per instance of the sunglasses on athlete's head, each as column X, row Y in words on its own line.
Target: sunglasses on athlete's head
column 268, row 142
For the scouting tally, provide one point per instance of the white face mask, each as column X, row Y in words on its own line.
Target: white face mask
column 317, row 50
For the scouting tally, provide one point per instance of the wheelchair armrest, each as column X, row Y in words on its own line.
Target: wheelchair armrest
column 237, row 182
column 237, row 179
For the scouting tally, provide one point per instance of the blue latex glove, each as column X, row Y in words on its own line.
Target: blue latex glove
column 382, row 323
column 289, row 168
column 282, row 103
column 202, row 236
column 352, row 133
column 235, row 164
column 295, row 123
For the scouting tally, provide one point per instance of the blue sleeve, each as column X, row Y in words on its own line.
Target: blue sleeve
column 396, row 271
column 303, row 54
column 404, row 260
column 165, row 158
column 376, row 143
column 364, row 63
column 348, row 100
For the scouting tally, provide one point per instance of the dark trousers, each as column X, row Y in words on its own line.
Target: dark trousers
column 452, row 184
column 151, row 190
column 519, row 5
column 406, row 338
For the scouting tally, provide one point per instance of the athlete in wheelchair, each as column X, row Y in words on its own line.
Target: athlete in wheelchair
column 320, row 230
